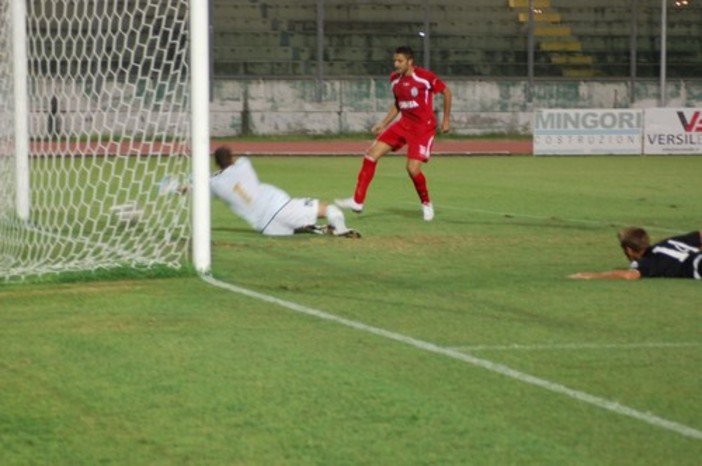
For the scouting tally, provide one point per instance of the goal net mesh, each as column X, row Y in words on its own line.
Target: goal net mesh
column 109, row 126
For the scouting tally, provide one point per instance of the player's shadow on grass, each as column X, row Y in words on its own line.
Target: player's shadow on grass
column 482, row 309
column 246, row 231
column 546, row 223
column 398, row 212
column 450, row 217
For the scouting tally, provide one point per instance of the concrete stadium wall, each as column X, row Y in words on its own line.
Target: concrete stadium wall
column 277, row 107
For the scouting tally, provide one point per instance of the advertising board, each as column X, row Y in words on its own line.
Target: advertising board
column 673, row 131
column 587, row 131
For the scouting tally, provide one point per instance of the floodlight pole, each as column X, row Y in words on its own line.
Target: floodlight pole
column 633, row 46
column 320, row 49
column 21, row 110
column 425, row 42
column 200, row 127
column 531, row 44
column 664, row 53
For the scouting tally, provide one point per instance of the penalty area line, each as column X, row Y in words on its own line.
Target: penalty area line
column 472, row 360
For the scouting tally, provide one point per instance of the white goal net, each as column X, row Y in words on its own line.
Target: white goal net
column 108, row 111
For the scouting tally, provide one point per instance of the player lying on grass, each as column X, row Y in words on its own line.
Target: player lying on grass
column 676, row 257
column 267, row 208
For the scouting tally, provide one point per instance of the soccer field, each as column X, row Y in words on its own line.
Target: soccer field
column 459, row 341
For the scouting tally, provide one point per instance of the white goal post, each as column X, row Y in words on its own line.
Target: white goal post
column 101, row 103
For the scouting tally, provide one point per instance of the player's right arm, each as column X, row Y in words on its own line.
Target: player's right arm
column 392, row 113
column 630, row 274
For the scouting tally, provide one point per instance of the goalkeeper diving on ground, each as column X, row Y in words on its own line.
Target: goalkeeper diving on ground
column 267, row 208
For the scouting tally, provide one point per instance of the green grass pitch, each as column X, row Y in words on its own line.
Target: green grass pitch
column 176, row 371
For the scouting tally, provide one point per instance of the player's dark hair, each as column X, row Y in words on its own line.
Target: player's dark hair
column 634, row 238
column 406, row 51
column 223, row 157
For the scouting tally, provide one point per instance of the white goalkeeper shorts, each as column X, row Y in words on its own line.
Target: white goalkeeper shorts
column 298, row 213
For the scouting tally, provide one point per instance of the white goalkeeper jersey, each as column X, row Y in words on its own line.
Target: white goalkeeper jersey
column 238, row 186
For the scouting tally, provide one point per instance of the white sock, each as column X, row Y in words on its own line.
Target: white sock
column 336, row 219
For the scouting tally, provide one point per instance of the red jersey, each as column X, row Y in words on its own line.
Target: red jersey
column 414, row 97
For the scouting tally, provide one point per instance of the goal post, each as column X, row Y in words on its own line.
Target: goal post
column 200, row 63
column 21, row 110
column 102, row 103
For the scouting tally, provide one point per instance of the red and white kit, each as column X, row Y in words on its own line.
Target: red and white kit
column 414, row 98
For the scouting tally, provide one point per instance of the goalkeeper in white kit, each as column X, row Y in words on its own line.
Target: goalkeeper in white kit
column 267, row 208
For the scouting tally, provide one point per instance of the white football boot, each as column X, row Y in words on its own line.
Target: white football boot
column 428, row 212
column 349, row 203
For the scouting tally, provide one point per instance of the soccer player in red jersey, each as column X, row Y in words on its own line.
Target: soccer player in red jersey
column 414, row 88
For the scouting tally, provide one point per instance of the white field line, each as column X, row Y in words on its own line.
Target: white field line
column 483, row 363
column 577, row 346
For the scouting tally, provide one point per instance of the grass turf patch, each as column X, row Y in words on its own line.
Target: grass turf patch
column 174, row 371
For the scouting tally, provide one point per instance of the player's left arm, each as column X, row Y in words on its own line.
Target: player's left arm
column 446, row 120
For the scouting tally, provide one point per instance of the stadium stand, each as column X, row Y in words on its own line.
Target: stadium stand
column 605, row 32
column 476, row 38
column 588, row 38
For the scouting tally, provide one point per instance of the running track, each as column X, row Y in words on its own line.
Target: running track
column 321, row 147
column 331, row 147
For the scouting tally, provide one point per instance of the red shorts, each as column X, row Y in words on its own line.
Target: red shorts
column 419, row 143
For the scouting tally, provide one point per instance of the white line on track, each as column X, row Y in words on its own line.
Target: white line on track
column 478, row 362
column 577, row 346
